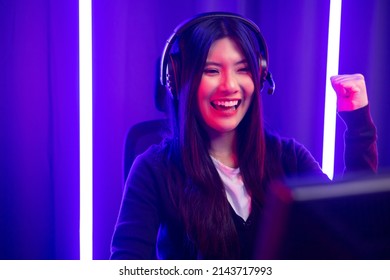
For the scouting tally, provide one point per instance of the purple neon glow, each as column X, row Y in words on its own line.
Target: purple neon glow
column 85, row 50
column 330, row 97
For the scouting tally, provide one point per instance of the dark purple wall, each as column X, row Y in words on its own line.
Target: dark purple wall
column 39, row 154
column 364, row 48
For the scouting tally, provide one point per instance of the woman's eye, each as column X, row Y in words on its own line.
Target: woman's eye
column 210, row 71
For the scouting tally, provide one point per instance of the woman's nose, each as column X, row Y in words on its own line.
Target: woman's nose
column 229, row 83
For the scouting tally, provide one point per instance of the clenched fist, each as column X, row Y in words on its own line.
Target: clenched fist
column 351, row 91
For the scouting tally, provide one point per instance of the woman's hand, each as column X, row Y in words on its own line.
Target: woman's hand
column 351, row 91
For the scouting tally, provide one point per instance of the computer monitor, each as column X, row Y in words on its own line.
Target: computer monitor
column 342, row 220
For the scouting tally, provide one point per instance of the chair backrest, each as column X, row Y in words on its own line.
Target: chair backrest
column 144, row 134
column 140, row 137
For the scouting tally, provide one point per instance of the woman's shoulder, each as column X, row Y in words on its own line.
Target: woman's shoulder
column 295, row 158
column 286, row 148
column 283, row 144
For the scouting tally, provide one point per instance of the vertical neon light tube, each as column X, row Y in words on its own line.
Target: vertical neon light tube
column 332, row 68
column 85, row 111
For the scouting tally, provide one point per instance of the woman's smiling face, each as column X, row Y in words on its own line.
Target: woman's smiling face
column 226, row 88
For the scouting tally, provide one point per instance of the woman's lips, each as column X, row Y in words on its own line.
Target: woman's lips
column 225, row 105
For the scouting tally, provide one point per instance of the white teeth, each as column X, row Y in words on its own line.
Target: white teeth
column 226, row 103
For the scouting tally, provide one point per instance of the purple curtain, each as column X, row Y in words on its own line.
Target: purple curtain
column 39, row 200
column 364, row 48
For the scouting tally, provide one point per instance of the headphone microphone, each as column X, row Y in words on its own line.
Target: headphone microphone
column 170, row 63
column 271, row 83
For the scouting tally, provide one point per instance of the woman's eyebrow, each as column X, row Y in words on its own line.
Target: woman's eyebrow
column 243, row 61
column 213, row 63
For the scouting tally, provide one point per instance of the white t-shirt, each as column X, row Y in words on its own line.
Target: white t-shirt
column 236, row 192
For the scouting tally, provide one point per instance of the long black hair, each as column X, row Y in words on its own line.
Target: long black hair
column 198, row 190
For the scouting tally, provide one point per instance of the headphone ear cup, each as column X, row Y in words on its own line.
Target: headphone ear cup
column 173, row 69
column 263, row 68
column 265, row 76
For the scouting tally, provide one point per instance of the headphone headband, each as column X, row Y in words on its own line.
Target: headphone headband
column 165, row 75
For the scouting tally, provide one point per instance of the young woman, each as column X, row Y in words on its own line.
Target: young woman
column 199, row 194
